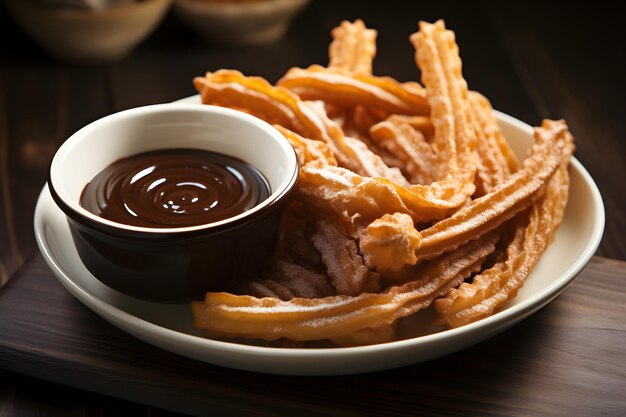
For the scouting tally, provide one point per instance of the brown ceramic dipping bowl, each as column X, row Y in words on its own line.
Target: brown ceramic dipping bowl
column 173, row 264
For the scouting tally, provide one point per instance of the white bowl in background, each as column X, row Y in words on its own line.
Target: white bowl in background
column 89, row 36
column 239, row 23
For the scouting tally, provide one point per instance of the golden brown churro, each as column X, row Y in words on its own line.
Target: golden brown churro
column 353, row 48
column 423, row 202
column 493, row 166
column 278, row 105
column 228, row 315
column 552, row 143
column 484, row 111
column 419, row 161
column 438, row 58
column 348, row 90
column 344, row 264
column 390, row 242
column 533, row 232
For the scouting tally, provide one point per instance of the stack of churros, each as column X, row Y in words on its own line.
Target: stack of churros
column 409, row 196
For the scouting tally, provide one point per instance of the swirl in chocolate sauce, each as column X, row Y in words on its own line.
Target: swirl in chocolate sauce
column 174, row 188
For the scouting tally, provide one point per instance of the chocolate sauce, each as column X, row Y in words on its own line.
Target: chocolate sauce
column 174, row 188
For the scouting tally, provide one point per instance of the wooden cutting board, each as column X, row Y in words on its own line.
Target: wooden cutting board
column 567, row 359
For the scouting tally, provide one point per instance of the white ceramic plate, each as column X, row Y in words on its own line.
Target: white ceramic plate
column 170, row 326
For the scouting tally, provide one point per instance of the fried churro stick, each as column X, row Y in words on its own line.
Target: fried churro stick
column 303, row 282
column 228, row 315
column 522, row 189
column 275, row 105
column 294, row 240
column 290, row 280
column 494, row 167
column 296, row 266
column 352, row 52
column 368, row 336
column 400, row 139
column 308, row 150
column 278, row 105
column 482, row 108
column 339, row 189
column 421, row 123
column 343, row 190
column 352, row 221
column 356, row 123
column 362, row 119
column 454, row 135
column 230, row 88
column 373, row 165
column 437, row 56
column 344, row 265
column 553, row 141
column 494, row 286
column 266, row 288
column 353, row 48
column 349, row 90
column 390, row 241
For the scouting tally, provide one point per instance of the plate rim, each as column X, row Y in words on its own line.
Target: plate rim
column 500, row 319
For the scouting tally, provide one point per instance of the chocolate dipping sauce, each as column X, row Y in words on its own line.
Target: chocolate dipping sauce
column 174, row 188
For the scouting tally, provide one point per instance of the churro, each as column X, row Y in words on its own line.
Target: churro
column 353, row 48
column 399, row 138
column 278, row 105
column 270, row 318
column 498, row 284
column 407, row 196
column 348, row 90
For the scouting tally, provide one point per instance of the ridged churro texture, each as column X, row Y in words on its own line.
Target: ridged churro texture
column 408, row 196
column 353, row 47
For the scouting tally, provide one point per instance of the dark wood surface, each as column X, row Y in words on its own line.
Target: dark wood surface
column 532, row 59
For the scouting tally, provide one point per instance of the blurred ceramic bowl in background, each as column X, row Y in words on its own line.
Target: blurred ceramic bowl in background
column 88, row 36
column 235, row 22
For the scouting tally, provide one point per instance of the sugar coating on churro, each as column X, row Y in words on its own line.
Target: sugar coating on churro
column 408, row 196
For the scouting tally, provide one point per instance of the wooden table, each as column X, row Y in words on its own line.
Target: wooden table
column 533, row 60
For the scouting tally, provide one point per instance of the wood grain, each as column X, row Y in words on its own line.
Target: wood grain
column 567, row 359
